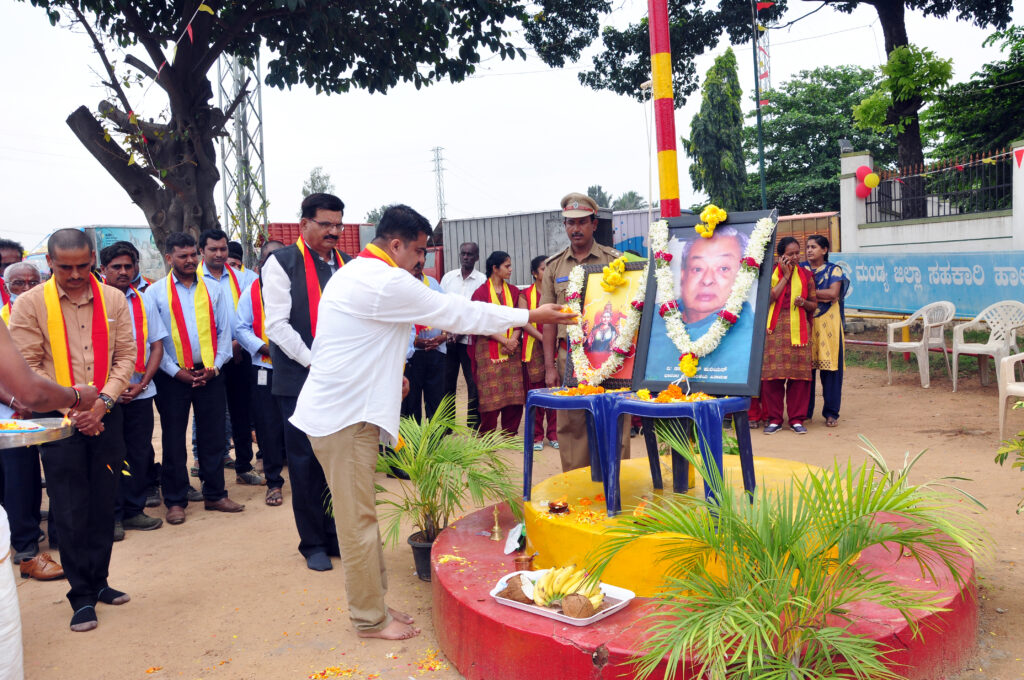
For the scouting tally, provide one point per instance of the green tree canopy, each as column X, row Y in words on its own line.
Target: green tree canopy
column 630, row 200
column 809, row 114
column 716, row 136
column 696, row 27
column 600, row 196
column 318, row 182
column 373, row 217
column 985, row 113
column 168, row 167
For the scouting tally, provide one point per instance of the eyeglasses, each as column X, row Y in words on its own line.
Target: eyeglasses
column 328, row 225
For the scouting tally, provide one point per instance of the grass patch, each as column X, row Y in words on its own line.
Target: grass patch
column 874, row 357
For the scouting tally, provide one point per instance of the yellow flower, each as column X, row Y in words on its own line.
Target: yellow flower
column 712, row 215
column 401, row 444
column 644, row 394
column 688, row 365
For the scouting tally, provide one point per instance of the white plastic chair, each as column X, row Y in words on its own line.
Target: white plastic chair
column 933, row 318
column 1009, row 386
column 1001, row 319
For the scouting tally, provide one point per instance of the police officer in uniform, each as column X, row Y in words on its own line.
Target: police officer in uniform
column 579, row 213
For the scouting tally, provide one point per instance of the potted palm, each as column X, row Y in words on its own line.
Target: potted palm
column 759, row 584
column 448, row 465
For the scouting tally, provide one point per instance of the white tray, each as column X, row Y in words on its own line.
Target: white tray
column 616, row 598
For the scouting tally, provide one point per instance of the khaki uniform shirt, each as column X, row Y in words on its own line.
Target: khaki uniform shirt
column 32, row 337
column 556, row 273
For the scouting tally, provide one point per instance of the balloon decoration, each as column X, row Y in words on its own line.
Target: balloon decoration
column 867, row 179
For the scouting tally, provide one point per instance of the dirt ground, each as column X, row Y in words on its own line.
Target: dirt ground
column 229, row 596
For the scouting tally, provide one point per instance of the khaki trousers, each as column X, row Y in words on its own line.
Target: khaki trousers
column 349, row 458
column 573, row 443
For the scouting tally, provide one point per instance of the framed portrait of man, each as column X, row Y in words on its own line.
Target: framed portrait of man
column 704, row 271
column 602, row 314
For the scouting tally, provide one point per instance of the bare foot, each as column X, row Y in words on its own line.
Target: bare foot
column 401, row 617
column 396, row 630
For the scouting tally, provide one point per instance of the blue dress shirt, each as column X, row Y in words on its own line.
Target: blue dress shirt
column 156, row 298
column 155, row 330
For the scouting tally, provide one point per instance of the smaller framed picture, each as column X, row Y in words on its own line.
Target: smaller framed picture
column 601, row 314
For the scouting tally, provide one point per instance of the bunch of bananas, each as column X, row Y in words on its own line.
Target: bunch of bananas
column 558, row 583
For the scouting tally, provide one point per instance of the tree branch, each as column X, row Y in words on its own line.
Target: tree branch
column 239, row 98
column 113, row 84
column 121, row 119
column 206, row 61
column 141, row 31
column 136, row 181
column 132, row 60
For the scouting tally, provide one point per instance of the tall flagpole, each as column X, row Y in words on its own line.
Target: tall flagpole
column 664, row 109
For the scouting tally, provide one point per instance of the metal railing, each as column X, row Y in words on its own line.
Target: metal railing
column 975, row 184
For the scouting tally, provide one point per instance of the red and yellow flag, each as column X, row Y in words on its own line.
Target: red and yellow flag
column 60, row 347
column 206, row 325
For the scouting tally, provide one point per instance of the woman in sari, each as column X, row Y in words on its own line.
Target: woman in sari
column 827, row 333
column 533, row 363
column 786, row 371
column 497, row 366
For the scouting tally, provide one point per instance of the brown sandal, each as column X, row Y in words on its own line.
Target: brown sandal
column 274, row 497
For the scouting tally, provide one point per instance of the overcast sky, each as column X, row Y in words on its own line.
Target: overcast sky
column 516, row 137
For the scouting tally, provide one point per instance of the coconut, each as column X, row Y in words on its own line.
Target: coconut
column 514, row 591
column 577, row 606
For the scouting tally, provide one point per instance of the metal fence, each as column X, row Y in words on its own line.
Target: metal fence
column 975, row 184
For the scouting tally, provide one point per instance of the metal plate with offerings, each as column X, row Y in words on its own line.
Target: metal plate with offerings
column 16, row 433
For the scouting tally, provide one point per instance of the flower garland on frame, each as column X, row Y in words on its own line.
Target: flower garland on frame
column 622, row 347
column 692, row 350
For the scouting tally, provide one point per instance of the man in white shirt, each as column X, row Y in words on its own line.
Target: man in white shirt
column 463, row 281
column 350, row 401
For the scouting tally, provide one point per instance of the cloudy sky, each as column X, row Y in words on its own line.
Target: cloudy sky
column 516, row 136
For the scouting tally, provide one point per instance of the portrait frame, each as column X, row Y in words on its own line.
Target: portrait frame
column 593, row 302
column 654, row 343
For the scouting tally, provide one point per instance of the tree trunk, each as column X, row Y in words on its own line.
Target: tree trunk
column 891, row 15
column 168, row 169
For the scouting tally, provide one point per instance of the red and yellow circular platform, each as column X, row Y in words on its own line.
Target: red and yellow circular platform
column 487, row 640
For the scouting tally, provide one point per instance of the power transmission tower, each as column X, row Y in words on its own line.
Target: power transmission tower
column 243, row 176
column 439, row 174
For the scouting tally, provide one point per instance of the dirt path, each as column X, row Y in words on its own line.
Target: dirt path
column 229, row 597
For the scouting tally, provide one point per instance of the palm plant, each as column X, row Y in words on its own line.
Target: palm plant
column 760, row 584
column 448, row 465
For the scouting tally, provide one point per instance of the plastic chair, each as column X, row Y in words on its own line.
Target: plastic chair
column 1002, row 319
column 933, row 318
column 1009, row 386
column 594, row 405
column 707, row 417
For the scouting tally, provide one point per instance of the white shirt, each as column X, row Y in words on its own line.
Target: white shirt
column 362, row 336
column 453, row 283
column 277, row 305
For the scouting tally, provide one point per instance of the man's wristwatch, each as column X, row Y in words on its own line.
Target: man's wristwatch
column 107, row 402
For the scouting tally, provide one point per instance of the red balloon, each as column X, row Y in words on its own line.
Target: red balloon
column 863, row 191
column 862, row 172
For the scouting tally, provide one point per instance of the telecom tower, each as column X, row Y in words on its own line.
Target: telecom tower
column 243, row 176
column 439, row 174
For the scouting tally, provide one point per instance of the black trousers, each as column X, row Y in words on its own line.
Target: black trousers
column 173, row 400
column 82, row 476
column 831, row 391
column 458, row 357
column 269, row 426
column 139, row 457
column 22, row 495
column 317, row 532
column 237, row 379
column 426, row 371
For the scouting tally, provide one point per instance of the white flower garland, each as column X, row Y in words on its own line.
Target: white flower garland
column 745, row 278
column 622, row 347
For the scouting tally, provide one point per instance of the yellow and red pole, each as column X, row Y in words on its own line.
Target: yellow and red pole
column 664, row 108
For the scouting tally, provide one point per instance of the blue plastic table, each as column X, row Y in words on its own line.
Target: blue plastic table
column 707, row 416
column 595, row 406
